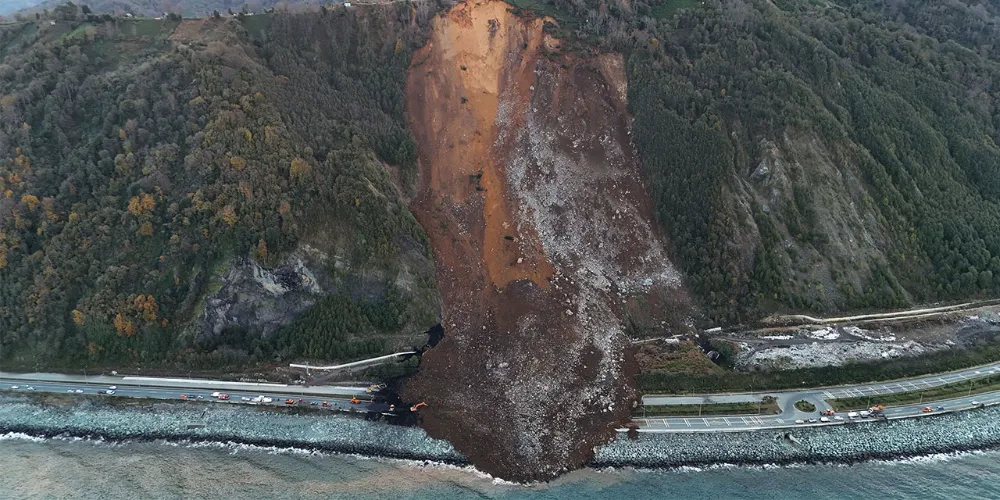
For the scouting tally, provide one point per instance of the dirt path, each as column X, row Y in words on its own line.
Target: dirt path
column 541, row 227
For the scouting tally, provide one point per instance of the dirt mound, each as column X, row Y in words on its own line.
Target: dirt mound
column 541, row 227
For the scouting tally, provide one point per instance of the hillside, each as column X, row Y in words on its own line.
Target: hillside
column 545, row 179
column 821, row 156
column 156, row 8
column 12, row 6
column 172, row 193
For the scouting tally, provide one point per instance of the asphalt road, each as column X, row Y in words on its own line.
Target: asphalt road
column 753, row 422
column 789, row 414
column 195, row 391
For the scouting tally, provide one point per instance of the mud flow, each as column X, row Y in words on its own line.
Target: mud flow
column 541, row 226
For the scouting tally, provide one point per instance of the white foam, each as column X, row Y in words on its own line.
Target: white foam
column 18, row 436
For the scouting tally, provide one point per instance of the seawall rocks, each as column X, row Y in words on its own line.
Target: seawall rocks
column 340, row 433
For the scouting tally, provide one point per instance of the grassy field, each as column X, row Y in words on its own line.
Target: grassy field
column 669, row 7
column 567, row 22
column 258, row 24
column 985, row 384
column 805, row 406
column 709, row 409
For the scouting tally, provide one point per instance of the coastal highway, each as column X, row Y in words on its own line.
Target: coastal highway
column 756, row 422
column 817, row 396
column 851, row 391
column 337, row 398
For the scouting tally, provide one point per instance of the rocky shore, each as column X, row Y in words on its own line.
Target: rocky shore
column 187, row 422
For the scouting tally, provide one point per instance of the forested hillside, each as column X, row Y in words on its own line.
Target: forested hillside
column 145, row 163
column 801, row 155
column 156, row 8
column 813, row 155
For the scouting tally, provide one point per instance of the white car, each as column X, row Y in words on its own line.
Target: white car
column 79, row 391
column 29, row 388
column 824, row 419
column 113, row 388
column 800, row 421
column 109, row 392
column 838, row 417
column 15, row 387
column 216, row 394
column 976, row 403
column 244, row 398
column 267, row 400
column 852, row 415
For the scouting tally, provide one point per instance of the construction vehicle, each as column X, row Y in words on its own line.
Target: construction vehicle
column 417, row 406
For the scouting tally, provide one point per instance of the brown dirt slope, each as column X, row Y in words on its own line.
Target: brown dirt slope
column 541, row 227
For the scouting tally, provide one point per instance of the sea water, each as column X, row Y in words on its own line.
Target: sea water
column 32, row 467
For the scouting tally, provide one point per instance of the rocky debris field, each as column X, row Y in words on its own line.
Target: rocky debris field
column 545, row 247
column 151, row 421
column 836, row 345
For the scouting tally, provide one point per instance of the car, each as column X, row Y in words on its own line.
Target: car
column 289, row 401
column 940, row 408
column 216, row 394
column 184, row 396
column 326, row 403
column 838, row 417
column 976, row 403
column 267, row 400
column 70, row 391
column 79, row 391
column 201, row 397
column 313, row 403
column 29, row 388
column 926, row 409
column 813, row 420
column 375, row 388
column 15, row 387
column 223, row 397
column 824, row 419
column 109, row 392
column 800, row 421
column 113, row 388
column 827, row 412
column 244, row 398
column 852, row 414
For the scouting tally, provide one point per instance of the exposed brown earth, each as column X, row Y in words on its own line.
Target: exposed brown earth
column 531, row 194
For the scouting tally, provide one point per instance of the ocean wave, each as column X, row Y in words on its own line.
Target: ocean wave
column 20, row 436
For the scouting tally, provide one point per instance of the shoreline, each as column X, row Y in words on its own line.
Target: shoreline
column 968, row 431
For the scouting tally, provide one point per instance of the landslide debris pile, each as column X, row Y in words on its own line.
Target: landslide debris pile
column 530, row 192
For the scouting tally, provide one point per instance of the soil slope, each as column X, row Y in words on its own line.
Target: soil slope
column 531, row 194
